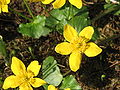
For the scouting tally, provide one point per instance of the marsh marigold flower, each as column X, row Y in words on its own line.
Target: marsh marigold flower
column 51, row 87
column 59, row 3
column 3, row 5
column 23, row 78
column 77, row 45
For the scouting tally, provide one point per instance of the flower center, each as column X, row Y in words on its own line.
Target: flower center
column 27, row 77
column 79, row 44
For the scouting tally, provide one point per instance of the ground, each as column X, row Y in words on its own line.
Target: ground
column 90, row 75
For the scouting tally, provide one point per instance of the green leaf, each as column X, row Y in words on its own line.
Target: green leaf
column 57, row 14
column 35, row 29
column 78, row 18
column 79, row 22
column 107, row 1
column 45, row 86
column 110, row 6
column 51, row 72
column 65, row 13
column 2, row 48
column 51, row 22
column 70, row 82
column 96, row 35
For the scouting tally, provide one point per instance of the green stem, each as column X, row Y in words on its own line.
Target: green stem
column 21, row 14
column 66, row 73
column 104, row 13
column 103, row 42
column 30, row 12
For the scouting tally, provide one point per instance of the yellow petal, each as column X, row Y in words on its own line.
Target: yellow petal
column 64, row 48
column 25, row 86
column 8, row 1
column 17, row 66
column 67, row 89
column 75, row 61
column 92, row 50
column 77, row 3
column 11, row 82
column 69, row 33
column 5, row 8
column 47, row 1
column 34, row 67
column 51, row 87
column 58, row 3
column 0, row 9
column 37, row 82
column 87, row 32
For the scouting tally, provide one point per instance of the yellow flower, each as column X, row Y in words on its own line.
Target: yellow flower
column 59, row 3
column 77, row 45
column 67, row 89
column 23, row 78
column 51, row 87
column 3, row 5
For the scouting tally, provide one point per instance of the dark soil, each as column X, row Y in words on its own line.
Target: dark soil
column 90, row 75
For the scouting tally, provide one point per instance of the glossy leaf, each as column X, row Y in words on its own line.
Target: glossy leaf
column 51, row 72
column 96, row 35
column 35, row 29
column 110, row 6
column 70, row 82
column 79, row 22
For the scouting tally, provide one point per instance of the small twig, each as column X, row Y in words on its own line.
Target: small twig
column 108, row 39
column 30, row 12
column 21, row 14
column 61, row 65
column 114, row 64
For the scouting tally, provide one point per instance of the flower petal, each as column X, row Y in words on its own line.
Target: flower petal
column 47, row 1
column 37, row 82
column 51, row 87
column 11, row 82
column 75, row 61
column 0, row 9
column 92, row 50
column 58, row 3
column 69, row 33
column 64, row 48
column 18, row 66
column 7, row 1
column 25, row 86
column 67, row 89
column 34, row 67
column 87, row 32
column 5, row 8
column 77, row 3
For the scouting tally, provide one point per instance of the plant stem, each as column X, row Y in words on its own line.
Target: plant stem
column 30, row 12
column 104, row 13
column 21, row 14
column 66, row 73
